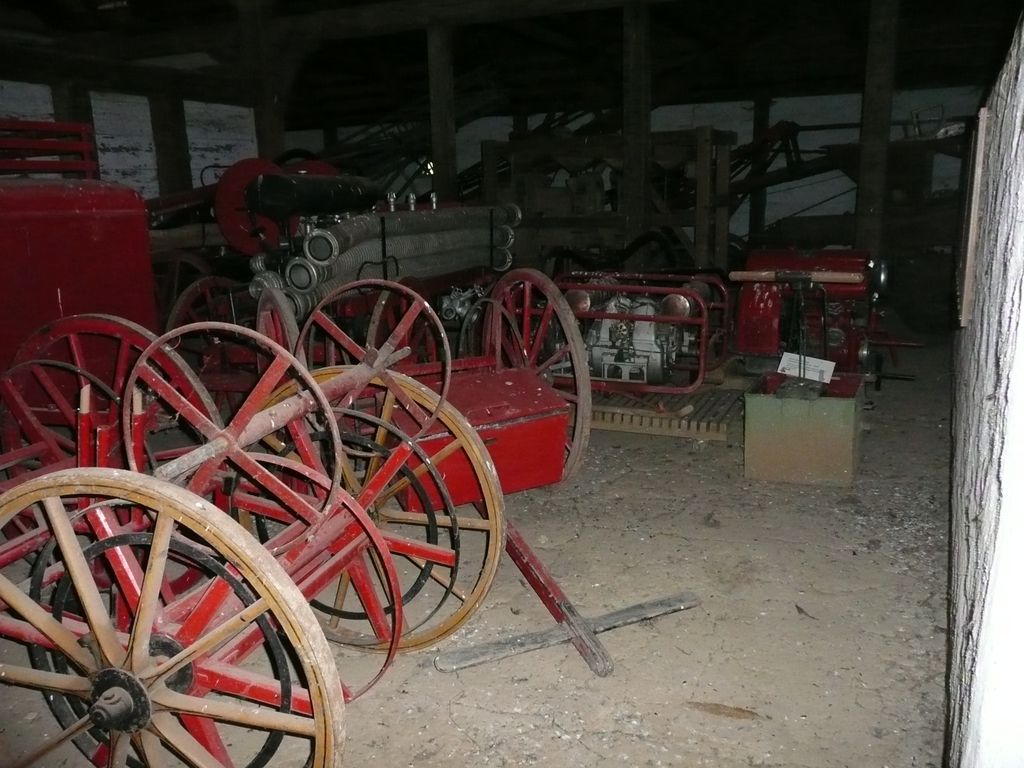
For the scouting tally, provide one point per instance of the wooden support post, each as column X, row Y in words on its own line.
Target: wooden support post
column 441, row 71
column 271, row 78
column 723, row 154
column 72, row 102
column 759, row 197
column 636, row 118
column 520, row 125
column 330, row 136
column 489, row 172
column 876, row 121
column 170, row 143
column 702, row 214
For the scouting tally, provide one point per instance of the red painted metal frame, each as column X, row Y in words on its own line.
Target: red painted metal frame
column 28, row 146
column 711, row 320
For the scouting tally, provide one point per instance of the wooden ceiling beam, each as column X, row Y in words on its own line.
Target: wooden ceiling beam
column 38, row 64
column 369, row 20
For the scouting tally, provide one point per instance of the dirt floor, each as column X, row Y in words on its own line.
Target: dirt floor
column 820, row 639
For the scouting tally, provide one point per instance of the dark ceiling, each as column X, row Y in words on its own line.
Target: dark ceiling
column 701, row 50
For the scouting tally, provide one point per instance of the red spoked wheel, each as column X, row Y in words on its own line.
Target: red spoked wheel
column 173, row 271
column 528, row 324
column 436, row 499
column 276, row 470
column 43, row 390
column 136, row 674
column 44, row 437
column 213, row 298
column 337, row 333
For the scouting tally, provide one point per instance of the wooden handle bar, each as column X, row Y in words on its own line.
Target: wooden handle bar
column 787, row 276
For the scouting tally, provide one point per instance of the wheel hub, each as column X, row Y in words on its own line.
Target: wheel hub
column 119, row 701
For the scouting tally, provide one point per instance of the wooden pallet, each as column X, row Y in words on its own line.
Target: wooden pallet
column 712, row 414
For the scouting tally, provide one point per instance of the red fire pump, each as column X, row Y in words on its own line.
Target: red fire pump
column 650, row 332
column 821, row 303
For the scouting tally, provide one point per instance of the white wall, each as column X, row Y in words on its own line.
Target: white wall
column 25, row 101
column 986, row 728
column 218, row 135
column 124, row 140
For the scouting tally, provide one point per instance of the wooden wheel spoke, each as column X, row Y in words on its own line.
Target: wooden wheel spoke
column 259, row 394
column 176, row 738
column 26, row 419
column 377, row 484
column 67, row 410
column 537, row 341
column 149, row 746
column 207, row 643
column 235, row 712
column 400, row 334
column 340, row 594
column 459, row 522
column 40, row 680
column 561, row 353
column 419, row 415
column 362, row 582
column 75, row 349
column 342, row 339
column 178, row 402
column 149, row 598
column 445, row 581
column 117, row 754
column 569, row 395
column 46, row 748
column 432, row 553
column 273, row 485
column 307, row 451
column 122, row 365
column 62, row 638
column 96, row 611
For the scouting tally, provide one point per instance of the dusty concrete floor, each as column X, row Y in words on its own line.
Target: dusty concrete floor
column 820, row 640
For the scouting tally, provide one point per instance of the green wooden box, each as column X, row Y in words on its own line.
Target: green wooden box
column 803, row 439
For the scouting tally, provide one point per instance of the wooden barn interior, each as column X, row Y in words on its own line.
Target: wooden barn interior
column 579, row 383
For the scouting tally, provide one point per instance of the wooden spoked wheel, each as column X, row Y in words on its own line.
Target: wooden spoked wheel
column 527, row 323
column 277, row 472
column 337, row 333
column 235, row 672
column 213, row 298
column 436, row 499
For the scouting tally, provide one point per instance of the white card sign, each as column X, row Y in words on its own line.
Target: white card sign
column 813, row 368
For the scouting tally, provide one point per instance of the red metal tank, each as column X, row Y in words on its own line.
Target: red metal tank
column 71, row 246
